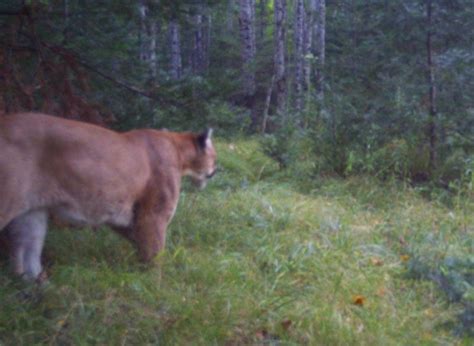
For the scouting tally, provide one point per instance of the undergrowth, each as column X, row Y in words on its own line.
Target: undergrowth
column 259, row 258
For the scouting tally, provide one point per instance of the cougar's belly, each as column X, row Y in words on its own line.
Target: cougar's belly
column 118, row 214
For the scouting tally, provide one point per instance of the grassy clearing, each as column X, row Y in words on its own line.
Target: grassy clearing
column 256, row 259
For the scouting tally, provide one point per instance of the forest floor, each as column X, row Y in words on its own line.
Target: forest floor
column 260, row 257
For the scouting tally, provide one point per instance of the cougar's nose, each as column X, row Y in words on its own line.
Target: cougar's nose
column 210, row 175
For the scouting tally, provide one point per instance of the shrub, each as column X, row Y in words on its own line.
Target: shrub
column 455, row 277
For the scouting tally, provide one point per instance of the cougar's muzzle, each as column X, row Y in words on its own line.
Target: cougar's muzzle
column 210, row 175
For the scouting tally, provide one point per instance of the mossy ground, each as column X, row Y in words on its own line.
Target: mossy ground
column 256, row 258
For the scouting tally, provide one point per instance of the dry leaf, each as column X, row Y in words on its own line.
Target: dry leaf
column 404, row 258
column 429, row 313
column 261, row 334
column 358, row 300
column 286, row 324
column 60, row 323
column 402, row 240
column 381, row 291
column 376, row 261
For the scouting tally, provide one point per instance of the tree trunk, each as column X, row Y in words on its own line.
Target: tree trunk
column 320, row 46
column 153, row 60
column 307, row 45
column 207, row 40
column 198, row 45
column 279, row 55
column 432, row 88
column 263, row 19
column 230, row 16
column 247, row 40
column 143, row 11
column 66, row 23
column 253, row 20
column 175, row 43
column 148, row 37
column 299, row 57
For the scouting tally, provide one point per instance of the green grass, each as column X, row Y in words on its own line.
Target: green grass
column 255, row 259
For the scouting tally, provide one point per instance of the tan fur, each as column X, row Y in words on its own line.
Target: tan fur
column 91, row 175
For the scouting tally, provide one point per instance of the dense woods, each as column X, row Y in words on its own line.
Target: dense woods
column 379, row 87
column 342, row 209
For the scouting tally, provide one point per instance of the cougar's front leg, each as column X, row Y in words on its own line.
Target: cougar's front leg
column 27, row 233
column 153, row 216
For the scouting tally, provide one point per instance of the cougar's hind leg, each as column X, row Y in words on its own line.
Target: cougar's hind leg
column 27, row 233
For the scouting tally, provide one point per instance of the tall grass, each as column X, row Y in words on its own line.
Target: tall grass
column 256, row 259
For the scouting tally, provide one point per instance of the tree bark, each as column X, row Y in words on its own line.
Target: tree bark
column 148, row 37
column 320, row 46
column 299, row 56
column 198, row 43
column 248, row 50
column 143, row 37
column 66, row 23
column 263, row 19
column 207, row 40
column 307, row 45
column 175, row 43
column 230, row 16
column 279, row 55
column 432, row 88
column 153, row 60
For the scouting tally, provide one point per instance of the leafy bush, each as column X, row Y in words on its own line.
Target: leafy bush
column 242, row 163
column 457, row 166
column 392, row 159
column 228, row 120
column 278, row 145
column 455, row 277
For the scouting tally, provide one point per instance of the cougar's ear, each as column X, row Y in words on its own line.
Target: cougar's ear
column 204, row 139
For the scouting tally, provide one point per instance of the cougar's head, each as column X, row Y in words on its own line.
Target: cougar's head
column 203, row 166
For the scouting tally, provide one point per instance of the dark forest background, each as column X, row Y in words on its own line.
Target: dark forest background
column 331, row 87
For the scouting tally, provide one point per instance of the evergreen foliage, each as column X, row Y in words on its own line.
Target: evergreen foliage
column 92, row 60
